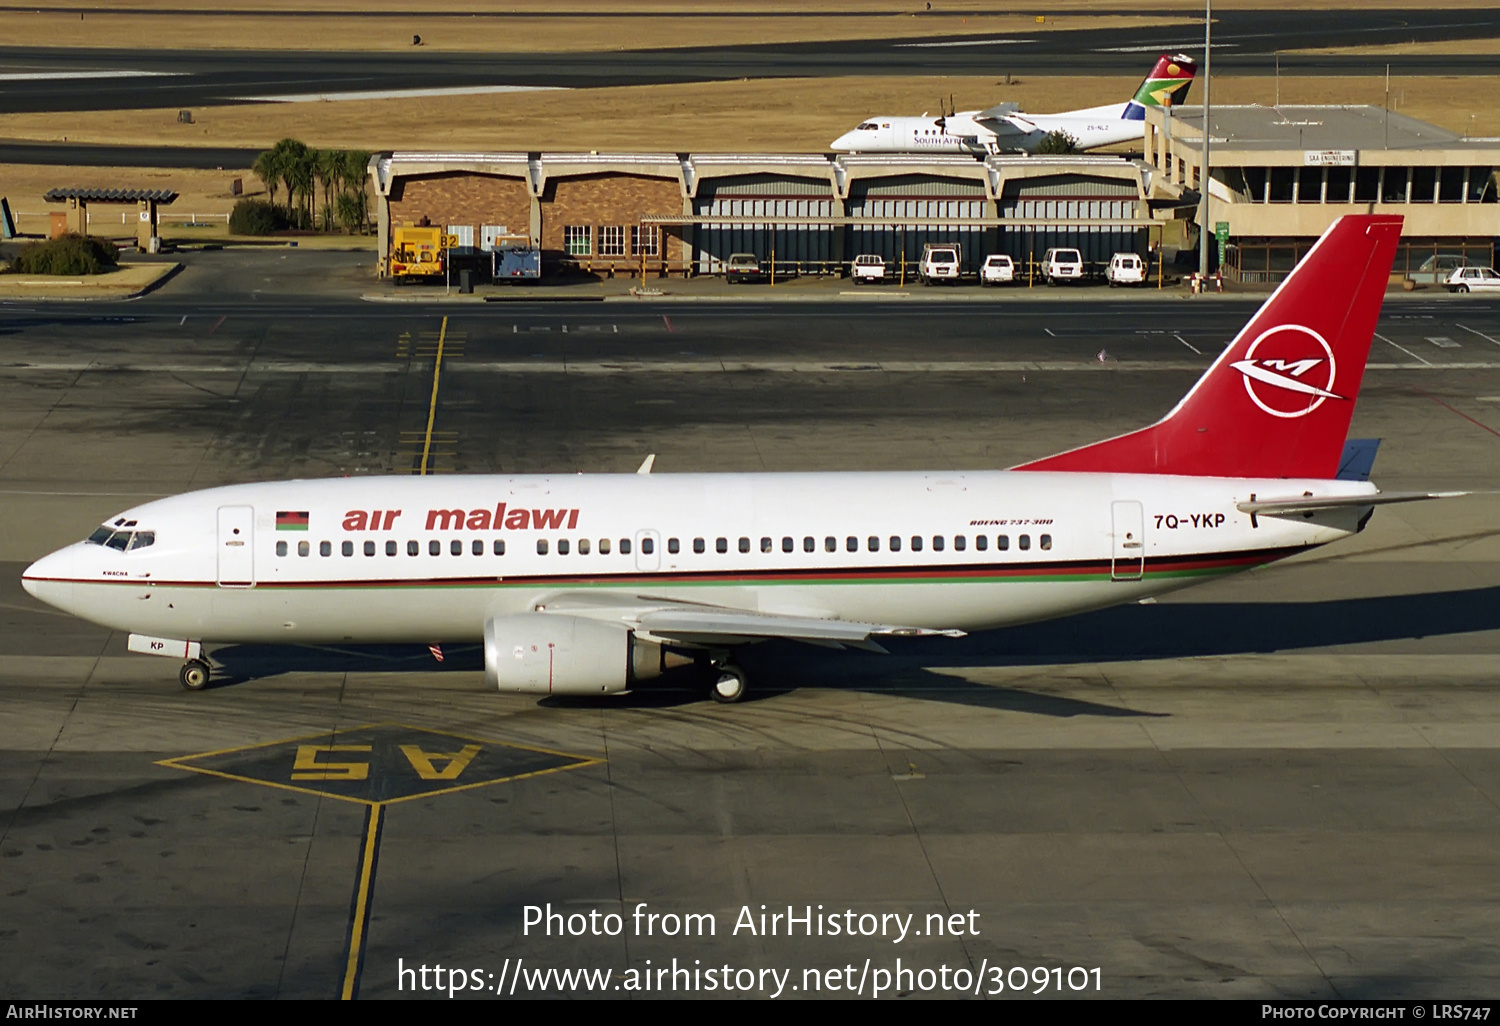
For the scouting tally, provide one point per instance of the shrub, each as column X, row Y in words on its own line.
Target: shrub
column 1056, row 143
column 69, row 254
column 256, row 217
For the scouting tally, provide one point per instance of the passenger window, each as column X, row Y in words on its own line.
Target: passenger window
column 562, row 546
column 809, row 544
column 603, row 546
column 672, row 546
column 851, row 543
column 477, row 547
column 895, row 543
column 1024, row 542
column 281, row 548
column 744, row 544
column 699, row 546
column 456, row 547
column 787, row 545
column 765, row 545
column 390, row 547
column 830, row 544
column 413, row 548
column 624, row 546
column 982, row 542
column 1046, row 541
column 1002, row 542
column 583, row 546
column 369, row 548
column 499, row 547
column 960, row 543
column 916, row 543
column 325, row 548
column 648, row 545
column 721, row 545
column 937, row 543
column 872, row 543
column 347, row 548
column 434, row 548
column 541, row 546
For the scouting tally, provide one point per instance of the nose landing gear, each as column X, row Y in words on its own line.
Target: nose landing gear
column 195, row 674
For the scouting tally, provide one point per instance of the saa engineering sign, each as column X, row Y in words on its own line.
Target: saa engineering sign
column 1289, row 371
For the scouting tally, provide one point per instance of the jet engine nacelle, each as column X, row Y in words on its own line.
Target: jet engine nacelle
column 547, row 654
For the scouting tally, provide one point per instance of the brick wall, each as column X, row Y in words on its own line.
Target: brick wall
column 462, row 197
column 611, row 199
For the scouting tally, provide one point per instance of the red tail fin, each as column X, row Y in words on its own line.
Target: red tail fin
column 1277, row 403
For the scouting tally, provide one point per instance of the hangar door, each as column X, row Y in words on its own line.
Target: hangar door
column 900, row 196
column 1068, row 196
column 763, row 195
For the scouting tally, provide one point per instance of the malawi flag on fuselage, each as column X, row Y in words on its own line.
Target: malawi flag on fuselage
column 291, row 521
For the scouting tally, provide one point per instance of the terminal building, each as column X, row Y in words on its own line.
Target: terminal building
column 1279, row 177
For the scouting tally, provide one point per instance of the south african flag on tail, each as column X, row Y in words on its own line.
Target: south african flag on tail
column 295, row 521
column 1168, row 82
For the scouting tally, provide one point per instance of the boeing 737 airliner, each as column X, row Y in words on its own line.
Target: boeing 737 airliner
column 590, row 584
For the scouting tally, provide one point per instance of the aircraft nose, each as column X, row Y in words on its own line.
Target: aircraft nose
column 843, row 142
column 42, row 581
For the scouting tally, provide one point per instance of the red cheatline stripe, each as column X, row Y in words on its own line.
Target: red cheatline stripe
column 933, row 574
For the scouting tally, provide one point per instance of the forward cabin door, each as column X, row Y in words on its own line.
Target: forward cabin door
column 1129, row 556
column 236, row 546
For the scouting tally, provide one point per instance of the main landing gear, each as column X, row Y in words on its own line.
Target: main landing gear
column 730, row 684
column 195, row 674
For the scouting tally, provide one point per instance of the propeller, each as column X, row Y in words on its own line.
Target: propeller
column 942, row 119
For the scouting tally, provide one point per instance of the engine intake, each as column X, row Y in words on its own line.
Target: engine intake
column 549, row 654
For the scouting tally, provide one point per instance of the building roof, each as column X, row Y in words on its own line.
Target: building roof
column 1327, row 127
column 110, row 195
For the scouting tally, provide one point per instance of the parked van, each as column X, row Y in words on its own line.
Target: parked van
column 1062, row 265
column 941, row 261
column 1126, row 269
column 998, row 269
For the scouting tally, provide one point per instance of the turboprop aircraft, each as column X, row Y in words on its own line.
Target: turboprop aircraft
column 1006, row 129
column 595, row 583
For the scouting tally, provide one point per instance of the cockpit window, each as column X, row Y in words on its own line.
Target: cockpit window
column 122, row 541
column 868, row 126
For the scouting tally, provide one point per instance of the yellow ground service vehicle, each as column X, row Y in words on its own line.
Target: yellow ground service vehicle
column 417, row 253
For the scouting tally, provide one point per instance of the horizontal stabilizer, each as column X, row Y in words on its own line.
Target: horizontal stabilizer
column 1313, row 504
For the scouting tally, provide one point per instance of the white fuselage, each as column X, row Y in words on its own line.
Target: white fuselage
column 423, row 564
column 962, row 133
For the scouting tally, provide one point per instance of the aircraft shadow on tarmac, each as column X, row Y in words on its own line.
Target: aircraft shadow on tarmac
column 1122, row 634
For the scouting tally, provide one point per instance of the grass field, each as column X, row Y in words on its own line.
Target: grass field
column 760, row 115
column 495, row 33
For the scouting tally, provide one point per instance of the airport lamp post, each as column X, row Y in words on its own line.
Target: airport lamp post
column 1203, row 170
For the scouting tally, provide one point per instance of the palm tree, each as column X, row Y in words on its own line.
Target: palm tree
column 329, row 167
column 268, row 169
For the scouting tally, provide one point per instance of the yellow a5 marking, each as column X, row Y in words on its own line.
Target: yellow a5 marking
column 306, row 765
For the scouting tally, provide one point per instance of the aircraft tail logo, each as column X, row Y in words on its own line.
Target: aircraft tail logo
column 1278, row 401
column 1171, row 78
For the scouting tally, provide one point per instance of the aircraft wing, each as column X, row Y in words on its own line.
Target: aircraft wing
column 999, row 110
column 704, row 624
column 1310, row 504
column 1005, row 124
